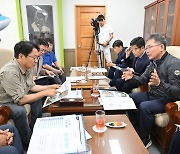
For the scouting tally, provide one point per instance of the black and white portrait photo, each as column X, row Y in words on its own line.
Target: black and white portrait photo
column 40, row 22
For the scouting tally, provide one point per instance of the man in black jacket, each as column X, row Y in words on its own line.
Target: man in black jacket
column 163, row 77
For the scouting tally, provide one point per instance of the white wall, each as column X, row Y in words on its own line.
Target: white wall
column 10, row 35
column 125, row 16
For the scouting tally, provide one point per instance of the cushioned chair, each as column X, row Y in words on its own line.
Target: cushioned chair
column 164, row 127
column 6, row 56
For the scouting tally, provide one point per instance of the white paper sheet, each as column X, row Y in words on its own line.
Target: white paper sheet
column 97, row 70
column 88, row 136
column 114, row 100
column 74, row 94
column 63, row 91
column 57, row 135
column 102, row 77
column 75, row 68
column 75, row 78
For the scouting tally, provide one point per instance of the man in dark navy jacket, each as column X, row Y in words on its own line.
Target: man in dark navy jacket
column 113, row 72
column 139, row 64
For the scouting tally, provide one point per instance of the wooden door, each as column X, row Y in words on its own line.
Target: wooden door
column 85, row 34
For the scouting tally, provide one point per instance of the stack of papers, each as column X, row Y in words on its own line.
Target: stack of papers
column 75, row 78
column 75, row 68
column 97, row 70
column 74, row 94
column 58, row 135
column 102, row 77
column 115, row 100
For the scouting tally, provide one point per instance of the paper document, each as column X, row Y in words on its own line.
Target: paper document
column 42, row 77
column 74, row 94
column 177, row 125
column 63, row 91
column 66, row 86
column 102, row 77
column 75, row 78
column 58, row 135
column 115, row 100
column 75, row 68
column 88, row 136
column 97, row 70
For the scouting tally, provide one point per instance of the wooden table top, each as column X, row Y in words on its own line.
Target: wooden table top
column 91, row 105
column 114, row 140
column 88, row 84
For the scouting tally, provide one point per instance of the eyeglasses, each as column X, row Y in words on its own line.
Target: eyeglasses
column 42, row 50
column 149, row 47
column 35, row 58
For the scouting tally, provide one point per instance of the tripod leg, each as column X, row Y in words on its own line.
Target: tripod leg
column 99, row 57
column 90, row 52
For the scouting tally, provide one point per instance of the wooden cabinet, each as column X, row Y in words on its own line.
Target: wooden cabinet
column 163, row 17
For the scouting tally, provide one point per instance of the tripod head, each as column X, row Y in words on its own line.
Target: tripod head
column 95, row 25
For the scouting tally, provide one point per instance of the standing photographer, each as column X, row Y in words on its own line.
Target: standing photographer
column 105, row 36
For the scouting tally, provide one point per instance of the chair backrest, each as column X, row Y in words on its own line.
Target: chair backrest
column 174, row 50
column 5, row 56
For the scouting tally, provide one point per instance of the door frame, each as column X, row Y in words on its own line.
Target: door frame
column 76, row 27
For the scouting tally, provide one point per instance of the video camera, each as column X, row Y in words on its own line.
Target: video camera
column 95, row 24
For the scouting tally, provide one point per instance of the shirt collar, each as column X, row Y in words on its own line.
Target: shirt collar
column 142, row 55
column 21, row 69
column 158, row 62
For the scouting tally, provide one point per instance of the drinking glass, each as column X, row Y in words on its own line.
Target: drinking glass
column 83, row 74
column 95, row 88
column 100, row 119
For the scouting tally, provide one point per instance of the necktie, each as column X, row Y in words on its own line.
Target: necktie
column 136, row 62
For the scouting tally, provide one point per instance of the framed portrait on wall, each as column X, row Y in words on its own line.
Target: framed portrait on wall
column 42, row 19
column 40, row 22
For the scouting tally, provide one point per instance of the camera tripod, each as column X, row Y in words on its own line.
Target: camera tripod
column 97, row 48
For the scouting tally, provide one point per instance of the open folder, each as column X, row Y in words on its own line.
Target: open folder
column 58, row 135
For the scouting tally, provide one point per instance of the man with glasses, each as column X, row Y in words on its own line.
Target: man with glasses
column 163, row 77
column 18, row 88
column 137, row 63
column 38, row 70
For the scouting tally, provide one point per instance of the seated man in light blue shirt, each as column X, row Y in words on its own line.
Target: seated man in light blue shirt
column 49, row 59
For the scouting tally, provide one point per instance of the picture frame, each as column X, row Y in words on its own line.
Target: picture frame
column 40, row 22
column 52, row 22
